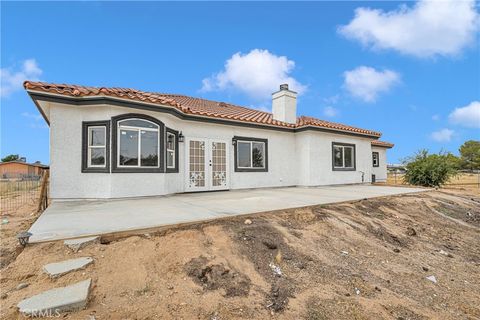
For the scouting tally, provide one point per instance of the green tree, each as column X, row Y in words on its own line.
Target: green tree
column 430, row 170
column 11, row 157
column 470, row 155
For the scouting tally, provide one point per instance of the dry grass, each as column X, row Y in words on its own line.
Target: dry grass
column 466, row 180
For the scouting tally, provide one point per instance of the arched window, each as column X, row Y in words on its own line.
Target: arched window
column 138, row 143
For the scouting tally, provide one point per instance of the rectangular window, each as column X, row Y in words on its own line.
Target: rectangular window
column 97, row 138
column 95, row 146
column 375, row 159
column 250, row 154
column 343, row 157
column 171, row 150
column 171, row 140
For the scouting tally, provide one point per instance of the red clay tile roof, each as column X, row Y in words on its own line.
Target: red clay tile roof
column 190, row 105
column 384, row 144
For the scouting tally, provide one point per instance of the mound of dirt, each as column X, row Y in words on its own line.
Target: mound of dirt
column 216, row 276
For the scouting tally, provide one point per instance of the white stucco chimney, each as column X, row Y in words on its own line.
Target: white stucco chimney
column 284, row 105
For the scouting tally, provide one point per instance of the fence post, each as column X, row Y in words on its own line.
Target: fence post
column 42, row 201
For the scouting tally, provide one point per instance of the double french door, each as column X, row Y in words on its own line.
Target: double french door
column 207, row 165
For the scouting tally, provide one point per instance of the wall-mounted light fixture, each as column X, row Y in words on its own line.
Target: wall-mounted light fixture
column 180, row 137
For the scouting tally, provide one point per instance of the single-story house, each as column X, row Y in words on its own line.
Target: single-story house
column 115, row 142
column 21, row 169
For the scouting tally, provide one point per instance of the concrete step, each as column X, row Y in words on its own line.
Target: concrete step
column 79, row 243
column 53, row 302
column 57, row 269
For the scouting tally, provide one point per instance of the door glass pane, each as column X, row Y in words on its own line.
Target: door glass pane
column 128, row 148
column 219, row 164
column 149, row 148
column 244, row 154
column 348, row 157
column 258, row 154
column 97, row 156
column 197, row 164
column 97, row 136
column 338, row 156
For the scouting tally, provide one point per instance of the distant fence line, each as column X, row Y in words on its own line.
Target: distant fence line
column 18, row 190
column 464, row 178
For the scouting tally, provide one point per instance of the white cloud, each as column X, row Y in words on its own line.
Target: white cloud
column 367, row 83
column 443, row 135
column 429, row 28
column 468, row 116
column 330, row 112
column 332, row 99
column 36, row 117
column 257, row 73
column 12, row 80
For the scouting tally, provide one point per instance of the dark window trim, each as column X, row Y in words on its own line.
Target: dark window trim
column 378, row 159
column 161, row 156
column 85, row 126
column 237, row 138
column 354, row 156
column 175, row 132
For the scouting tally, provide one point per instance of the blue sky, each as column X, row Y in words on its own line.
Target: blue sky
column 411, row 72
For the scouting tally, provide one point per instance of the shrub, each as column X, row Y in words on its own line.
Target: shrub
column 430, row 170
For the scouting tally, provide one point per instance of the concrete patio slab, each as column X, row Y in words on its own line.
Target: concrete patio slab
column 73, row 219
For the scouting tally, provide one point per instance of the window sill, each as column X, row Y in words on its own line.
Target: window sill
column 95, row 170
column 344, row 169
column 251, row 170
column 137, row 170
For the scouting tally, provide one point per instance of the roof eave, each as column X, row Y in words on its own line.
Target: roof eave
column 33, row 93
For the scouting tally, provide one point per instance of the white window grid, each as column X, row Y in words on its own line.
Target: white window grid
column 139, row 130
column 251, row 154
column 343, row 157
column 90, row 147
column 170, row 150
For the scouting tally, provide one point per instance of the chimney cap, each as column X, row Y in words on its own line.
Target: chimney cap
column 284, row 86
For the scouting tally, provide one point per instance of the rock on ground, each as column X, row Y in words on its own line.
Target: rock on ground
column 53, row 302
column 79, row 243
column 58, row 269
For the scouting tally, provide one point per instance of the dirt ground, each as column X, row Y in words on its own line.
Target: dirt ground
column 10, row 225
column 368, row 259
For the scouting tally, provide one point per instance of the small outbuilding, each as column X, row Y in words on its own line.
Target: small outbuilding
column 21, row 169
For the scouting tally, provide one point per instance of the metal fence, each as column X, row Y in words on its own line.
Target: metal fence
column 19, row 190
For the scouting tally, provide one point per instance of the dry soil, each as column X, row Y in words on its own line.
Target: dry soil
column 368, row 259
